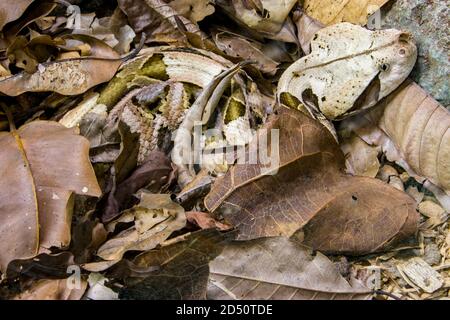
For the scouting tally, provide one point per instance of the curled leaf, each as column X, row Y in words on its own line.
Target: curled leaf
column 42, row 164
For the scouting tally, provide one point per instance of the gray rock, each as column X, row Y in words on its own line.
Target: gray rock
column 428, row 21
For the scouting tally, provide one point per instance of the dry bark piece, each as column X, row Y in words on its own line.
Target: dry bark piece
column 349, row 69
column 279, row 269
column 42, row 163
column 306, row 188
column 421, row 274
column 331, row 12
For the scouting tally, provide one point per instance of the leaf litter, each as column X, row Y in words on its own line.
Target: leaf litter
column 219, row 150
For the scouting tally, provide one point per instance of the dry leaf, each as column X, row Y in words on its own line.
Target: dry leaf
column 306, row 188
column 182, row 268
column 12, row 10
column 266, row 16
column 279, row 269
column 194, row 10
column 53, row 290
column 205, row 221
column 331, row 12
column 155, row 218
column 349, row 69
column 67, row 77
column 421, row 274
column 307, row 27
column 42, row 163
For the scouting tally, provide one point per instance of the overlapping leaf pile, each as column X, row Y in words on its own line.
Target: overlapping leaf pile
column 180, row 149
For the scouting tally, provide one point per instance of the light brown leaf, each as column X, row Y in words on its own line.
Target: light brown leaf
column 42, row 164
column 70, row 76
column 12, row 10
column 361, row 159
column 194, row 10
column 331, row 12
column 279, row 269
column 155, row 218
column 306, row 188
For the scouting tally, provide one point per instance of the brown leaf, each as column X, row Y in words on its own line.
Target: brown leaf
column 331, row 12
column 182, row 268
column 156, row 173
column 205, row 221
column 361, row 159
column 42, row 163
column 12, row 10
column 53, row 290
column 306, row 186
column 155, row 218
column 70, row 76
column 194, row 10
column 278, row 269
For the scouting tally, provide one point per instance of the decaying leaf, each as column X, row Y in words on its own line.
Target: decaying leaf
column 305, row 188
column 183, row 268
column 331, row 12
column 279, row 269
column 155, row 218
column 53, row 290
column 415, row 133
column 70, row 76
column 349, row 69
column 42, row 164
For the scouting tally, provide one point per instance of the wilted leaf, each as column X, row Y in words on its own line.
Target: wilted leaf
column 70, row 76
column 183, row 268
column 306, row 187
column 42, row 164
column 331, row 12
column 349, row 69
column 155, row 218
column 278, row 269
column 53, row 290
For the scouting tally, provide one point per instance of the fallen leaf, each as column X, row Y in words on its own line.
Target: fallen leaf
column 278, row 269
column 194, row 10
column 183, row 268
column 43, row 163
column 155, row 218
column 155, row 174
column 266, row 16
column 349, row 69
column 53, row 290
column 205, row 221
column 70, row 76
column 331, row 12
column 12, row 10
column 306, row 188
column 307, row 27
